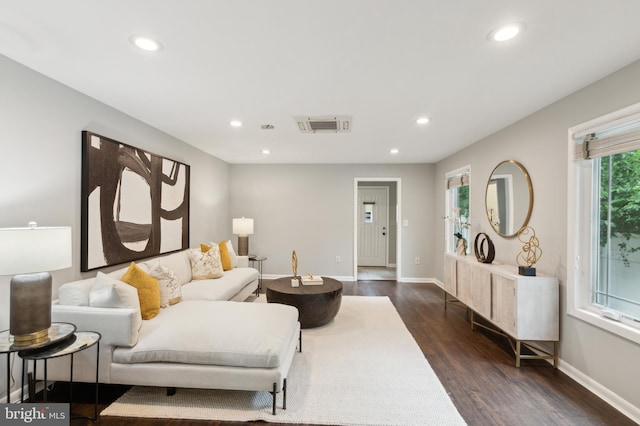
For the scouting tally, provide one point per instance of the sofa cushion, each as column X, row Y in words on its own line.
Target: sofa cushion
column 226, row 333
column 178, row 263
column 170, row 287
column 205, row 264
column 223, row 288
column 148, row 290
column 75, row 293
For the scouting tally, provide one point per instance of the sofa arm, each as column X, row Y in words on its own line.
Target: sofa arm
column 118, row 326
column 243, row 261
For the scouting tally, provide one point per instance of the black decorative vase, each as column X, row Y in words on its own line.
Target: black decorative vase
column 479, row 248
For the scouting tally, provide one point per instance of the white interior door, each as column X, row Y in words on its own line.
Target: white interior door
column 373, row 226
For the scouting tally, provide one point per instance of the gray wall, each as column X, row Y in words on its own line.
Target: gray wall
column 539, row 142
column 310, row 208
column 40, row 127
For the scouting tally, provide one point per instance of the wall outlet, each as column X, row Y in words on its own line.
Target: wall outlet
column 338, row 260
column 417, row 261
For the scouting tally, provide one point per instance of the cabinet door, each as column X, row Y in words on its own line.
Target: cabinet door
column 450, row 276
column 481, row 291
column 504, row 303
column 464, row 282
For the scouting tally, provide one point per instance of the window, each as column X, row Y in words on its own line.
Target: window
column 457, row 211
column 604, row 222
column 368, row 212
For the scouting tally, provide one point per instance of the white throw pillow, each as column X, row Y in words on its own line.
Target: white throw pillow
column 205, row 265
column 232, row 254
column 75, row 293
column 107, row 292
column 170, row 288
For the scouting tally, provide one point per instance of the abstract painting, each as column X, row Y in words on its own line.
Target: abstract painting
column 135, row 204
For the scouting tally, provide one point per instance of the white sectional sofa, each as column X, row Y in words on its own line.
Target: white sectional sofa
column 210, row 339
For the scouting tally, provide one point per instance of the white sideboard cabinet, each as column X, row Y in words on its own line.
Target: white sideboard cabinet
column 524, row 309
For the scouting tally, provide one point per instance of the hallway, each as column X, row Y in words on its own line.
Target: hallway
column 373, row 273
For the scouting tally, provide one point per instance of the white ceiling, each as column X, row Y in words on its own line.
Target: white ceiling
column 383, row 62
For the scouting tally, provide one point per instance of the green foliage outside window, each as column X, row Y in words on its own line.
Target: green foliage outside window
column 463, row 201
column 620, row 201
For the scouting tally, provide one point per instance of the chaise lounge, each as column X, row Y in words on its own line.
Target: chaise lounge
column 210, row 339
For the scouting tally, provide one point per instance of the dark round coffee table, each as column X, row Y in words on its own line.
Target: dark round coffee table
column 317, row 304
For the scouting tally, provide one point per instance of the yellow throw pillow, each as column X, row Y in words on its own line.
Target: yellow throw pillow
column 204, row 248
column 225, row 257
column 148, row 290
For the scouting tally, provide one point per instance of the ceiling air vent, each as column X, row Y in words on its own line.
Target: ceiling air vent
column 324, row 124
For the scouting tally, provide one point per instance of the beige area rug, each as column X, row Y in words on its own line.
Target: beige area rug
column 363, row 368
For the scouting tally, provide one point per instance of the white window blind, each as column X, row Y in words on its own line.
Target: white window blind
column 458, row 181
column 609, row 141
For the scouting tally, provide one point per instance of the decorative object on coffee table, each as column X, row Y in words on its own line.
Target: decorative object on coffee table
column 311, row 279
column 531, row 252
column 481, row 240
column 317, row 304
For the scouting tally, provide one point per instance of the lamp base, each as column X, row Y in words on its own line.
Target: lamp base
column 243, row 245
column 31, row 339
column 30, row 308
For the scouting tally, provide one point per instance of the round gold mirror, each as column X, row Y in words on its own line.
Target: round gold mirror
column 509, row 198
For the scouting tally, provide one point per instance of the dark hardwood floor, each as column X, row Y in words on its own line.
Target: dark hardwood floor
column 477, row 368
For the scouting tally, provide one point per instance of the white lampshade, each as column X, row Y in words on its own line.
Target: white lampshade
column 33, row 249
column 243, row 226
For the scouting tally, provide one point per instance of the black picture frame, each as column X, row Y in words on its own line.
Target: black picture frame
column 135, row 204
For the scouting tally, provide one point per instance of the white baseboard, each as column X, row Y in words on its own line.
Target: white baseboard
column 416, row 280
column 275, row 277
column 604, row 393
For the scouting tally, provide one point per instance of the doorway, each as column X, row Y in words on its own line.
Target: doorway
column 376, row 230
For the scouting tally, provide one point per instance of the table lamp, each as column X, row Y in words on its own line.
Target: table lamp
column 243, row 228
column 28, row 254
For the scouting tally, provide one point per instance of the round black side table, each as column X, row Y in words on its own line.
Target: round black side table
column 78, row 342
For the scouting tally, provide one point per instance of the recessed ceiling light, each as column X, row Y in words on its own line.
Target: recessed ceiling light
column 146, row 43
column 423, row 120
column 235, row 123
column 394, row 151
column 506, row 32
column 266, row 152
